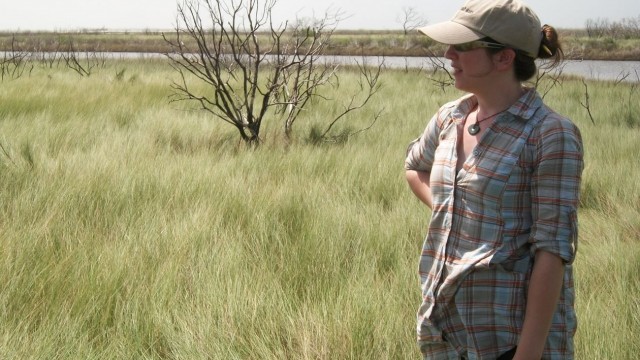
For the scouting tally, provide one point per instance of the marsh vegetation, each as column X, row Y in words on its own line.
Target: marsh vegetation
column 135, row 227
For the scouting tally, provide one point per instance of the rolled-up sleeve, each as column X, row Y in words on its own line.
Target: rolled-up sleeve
column 420, row 151
column 555, row 188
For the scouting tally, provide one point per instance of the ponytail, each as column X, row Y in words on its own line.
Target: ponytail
column 550, row 45
column 525, row 66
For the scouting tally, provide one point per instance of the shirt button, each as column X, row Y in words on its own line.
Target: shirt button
column 476, row 152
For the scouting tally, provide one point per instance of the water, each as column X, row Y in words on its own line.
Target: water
column 605, row 70
column 589, row 69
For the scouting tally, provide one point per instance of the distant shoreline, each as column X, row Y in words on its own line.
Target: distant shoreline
column 576, row 43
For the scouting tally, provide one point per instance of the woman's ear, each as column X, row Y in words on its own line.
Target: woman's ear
column 504, row 59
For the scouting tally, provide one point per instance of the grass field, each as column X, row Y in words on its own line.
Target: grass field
column 132, row 227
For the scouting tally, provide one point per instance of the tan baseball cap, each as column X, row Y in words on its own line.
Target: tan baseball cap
column 508, row 22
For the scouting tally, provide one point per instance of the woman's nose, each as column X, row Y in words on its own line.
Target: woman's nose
column 450, row 52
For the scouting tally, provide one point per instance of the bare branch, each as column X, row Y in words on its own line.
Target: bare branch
column 622, row 77
column 439, row 66
column 410, row 19
column 369, row 83
column 552, row 74
column 14, row 64
column 247, row 64
column 586, row 102
column 83, row 67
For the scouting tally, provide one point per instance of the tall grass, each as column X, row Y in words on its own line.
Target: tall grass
column 132, row 227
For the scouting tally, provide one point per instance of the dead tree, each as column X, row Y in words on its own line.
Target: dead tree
column 14, row 63
column 411, row 19
column 597, row 28
column 83, row 65
column 249, row 66
column 301, row 73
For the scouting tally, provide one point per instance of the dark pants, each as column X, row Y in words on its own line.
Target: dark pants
column 508, row 355
column 505, row 356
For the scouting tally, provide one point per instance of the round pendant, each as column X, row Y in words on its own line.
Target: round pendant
column 474, row 129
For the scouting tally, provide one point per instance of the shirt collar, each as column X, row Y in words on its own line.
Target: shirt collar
column 524, row 108
column 527, row 104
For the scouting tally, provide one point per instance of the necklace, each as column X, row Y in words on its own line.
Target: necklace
column 475, row 128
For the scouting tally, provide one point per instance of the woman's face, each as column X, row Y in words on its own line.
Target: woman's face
column 471, row 69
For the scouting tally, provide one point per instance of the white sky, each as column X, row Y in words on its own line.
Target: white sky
column 363, row 14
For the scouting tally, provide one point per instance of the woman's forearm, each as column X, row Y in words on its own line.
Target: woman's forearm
column 420, row 185
column 542, row 299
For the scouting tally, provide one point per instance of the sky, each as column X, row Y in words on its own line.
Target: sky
column 60, row 15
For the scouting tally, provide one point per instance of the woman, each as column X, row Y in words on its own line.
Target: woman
column 501, row 173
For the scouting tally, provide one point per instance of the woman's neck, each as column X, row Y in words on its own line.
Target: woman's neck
column 498, row 97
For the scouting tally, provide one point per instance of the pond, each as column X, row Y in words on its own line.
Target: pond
column 589, row 69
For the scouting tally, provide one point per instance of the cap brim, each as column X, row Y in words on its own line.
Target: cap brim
column 450, row 33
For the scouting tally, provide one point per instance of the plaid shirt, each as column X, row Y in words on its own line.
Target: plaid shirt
column 515, row 194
